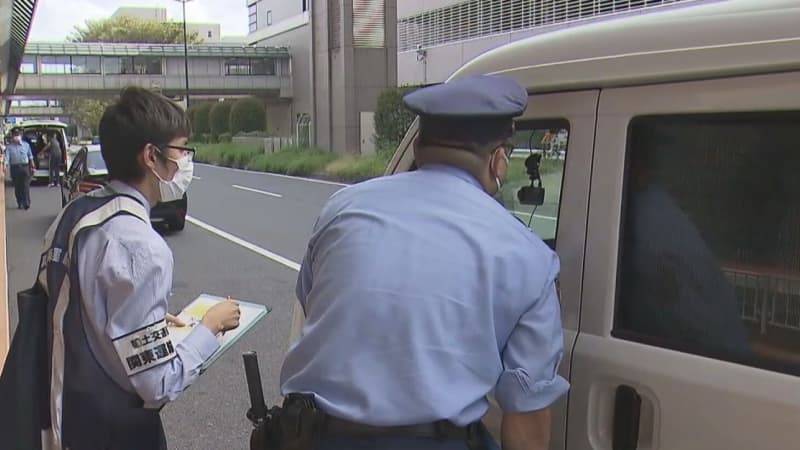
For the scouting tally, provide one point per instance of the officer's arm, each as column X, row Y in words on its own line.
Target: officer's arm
column 530, row 382
column 134, row 279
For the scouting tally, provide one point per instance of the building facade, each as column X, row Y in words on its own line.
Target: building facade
column 436, row 37
column 344, row 53
column 208, row 32
column 340, row 50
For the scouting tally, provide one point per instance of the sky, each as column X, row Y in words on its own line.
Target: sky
column 56, row 19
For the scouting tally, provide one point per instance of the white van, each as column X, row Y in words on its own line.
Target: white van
column 676, row 215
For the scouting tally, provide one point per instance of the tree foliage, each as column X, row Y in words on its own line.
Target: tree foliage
column 86, row 112
column 248, row 114
column 392, row 118
column 132, row 30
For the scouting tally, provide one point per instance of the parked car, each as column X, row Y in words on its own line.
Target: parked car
column 89, row 172
column 32, row 132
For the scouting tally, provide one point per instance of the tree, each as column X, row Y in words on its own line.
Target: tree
column 86, row 112
column 220, row 118
column 132, row 30
column 248, row 114
column 392, row 118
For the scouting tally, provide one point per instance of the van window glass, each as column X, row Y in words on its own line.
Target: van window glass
column 545, row 142
column 710, row 243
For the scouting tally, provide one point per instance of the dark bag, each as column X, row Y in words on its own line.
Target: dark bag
column 26, row 411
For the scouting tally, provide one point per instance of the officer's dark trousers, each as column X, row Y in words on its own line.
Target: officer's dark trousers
column 392, row 443
column 22, row 184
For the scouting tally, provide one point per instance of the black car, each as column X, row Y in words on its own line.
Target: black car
column 88, row 172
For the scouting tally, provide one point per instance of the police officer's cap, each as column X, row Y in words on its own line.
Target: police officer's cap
column 477, row 109
column 488, row 96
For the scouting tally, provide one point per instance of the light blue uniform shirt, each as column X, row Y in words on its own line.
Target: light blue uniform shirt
column 422, row 295
column 125, row 273
column 19, row 153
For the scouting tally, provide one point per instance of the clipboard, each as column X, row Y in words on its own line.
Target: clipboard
column 193, row 314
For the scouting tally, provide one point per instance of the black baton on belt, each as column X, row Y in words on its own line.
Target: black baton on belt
column 258, row 409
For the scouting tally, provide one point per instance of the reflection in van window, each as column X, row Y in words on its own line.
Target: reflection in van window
column 545, row 142
column 710, row 250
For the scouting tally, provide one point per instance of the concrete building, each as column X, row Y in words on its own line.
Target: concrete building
column 436, row 37
column 341, row 53
column 209, row 32
column 144, row 13
column 344, row 53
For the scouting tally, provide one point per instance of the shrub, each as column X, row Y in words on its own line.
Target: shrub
column 293, row 160
column 225, row 137
column 220, row 118
column 392, row 118
column 200, row 118
column 358, row 168
column 248, row 114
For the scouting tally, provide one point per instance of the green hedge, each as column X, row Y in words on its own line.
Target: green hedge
column 200, row 119
column 248, row 114
column 295, row 160
column 220, row 118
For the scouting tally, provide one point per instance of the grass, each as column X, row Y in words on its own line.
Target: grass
column 302, row 161
column 294, row 160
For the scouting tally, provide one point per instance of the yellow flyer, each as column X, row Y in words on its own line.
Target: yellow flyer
column 193, row 313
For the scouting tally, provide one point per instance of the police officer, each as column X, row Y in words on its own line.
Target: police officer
column 19, row 160
column 120, row 366
column 422, row 294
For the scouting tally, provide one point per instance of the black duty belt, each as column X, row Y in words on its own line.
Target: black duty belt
column 436, row 430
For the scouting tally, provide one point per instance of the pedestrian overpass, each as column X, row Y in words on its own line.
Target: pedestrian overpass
column 62, row 70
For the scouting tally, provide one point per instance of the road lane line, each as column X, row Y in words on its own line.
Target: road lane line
column 242, row 243
column 244, row 188
column 554, row 219
column 195, row 177
column 291, row 177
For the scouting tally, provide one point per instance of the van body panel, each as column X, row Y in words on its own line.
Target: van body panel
column 687, row 401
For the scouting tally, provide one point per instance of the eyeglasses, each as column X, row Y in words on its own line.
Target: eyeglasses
column 186, row 151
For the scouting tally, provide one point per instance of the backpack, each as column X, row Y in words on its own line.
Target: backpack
column 25, row 383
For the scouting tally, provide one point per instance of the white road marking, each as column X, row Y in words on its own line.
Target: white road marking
column 248, row 245
column 554, row 219
column 310, row 180
column 244, row 188
column 195, row 177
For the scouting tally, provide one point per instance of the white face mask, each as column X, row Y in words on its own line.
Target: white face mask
column 174, row 190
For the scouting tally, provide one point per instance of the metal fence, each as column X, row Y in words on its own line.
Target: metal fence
column 767, row 299
column 477, row 18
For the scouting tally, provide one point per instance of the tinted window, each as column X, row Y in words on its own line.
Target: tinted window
column 710, row 248
column 94, row 160
column 545, row 141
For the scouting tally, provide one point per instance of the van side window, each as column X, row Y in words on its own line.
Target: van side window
column 545, row 142
column 710, row 243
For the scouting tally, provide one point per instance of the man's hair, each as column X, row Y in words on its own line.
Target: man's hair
column 138, row 118
column 16, row 132
column 475, row 134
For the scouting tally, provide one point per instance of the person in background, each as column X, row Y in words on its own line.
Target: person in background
column 19, row 162
column 56, row 156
